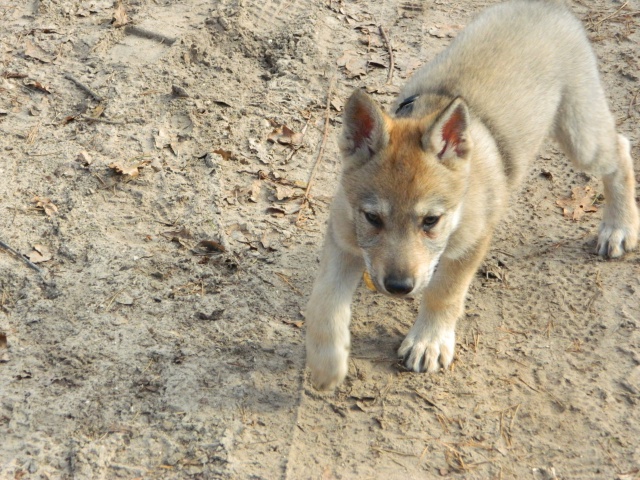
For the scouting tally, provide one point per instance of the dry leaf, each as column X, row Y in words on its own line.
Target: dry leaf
column 161, row 139
column 337, row 104
column 383, row 89
column 267, row 239
column 181, row 237
column 444, row 31
column 178, row 91
column 176, row 234
column 260, row 150
column 354, row 63
column 276, row 212
column 225, row 154
column 120, row 18
column 295, row 323
column 254, row 191
column 285, row 136
column 128, row 171
column 34, row 51
column 283, row 209
column 40, row 254
column 37, row 86
column 285, row 193
column 84, row 158
column 212, row 246
column 581, row 202
column 46, row 205
column 377, row 60
column 97, row 111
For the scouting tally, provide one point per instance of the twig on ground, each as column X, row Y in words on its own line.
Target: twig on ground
column 87, row 118
column 614, row 14
column 387, row 40
column 112, row 298
column 48, row 154
column 394, row 452
column 148, row 34
column 83, row 87
column 286, row 280
column 17, row 254
column 632, row 104
column 325, row 134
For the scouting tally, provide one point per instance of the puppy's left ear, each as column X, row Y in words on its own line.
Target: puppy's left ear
column 448, row 137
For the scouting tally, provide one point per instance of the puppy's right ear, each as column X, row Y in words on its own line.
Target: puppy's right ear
column 363, row 132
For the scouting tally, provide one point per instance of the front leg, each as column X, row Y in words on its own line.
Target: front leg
column 430, row 344
column 329, row 313
column 621, row 220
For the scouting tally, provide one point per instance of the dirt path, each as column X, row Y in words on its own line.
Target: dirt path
column 152, row 180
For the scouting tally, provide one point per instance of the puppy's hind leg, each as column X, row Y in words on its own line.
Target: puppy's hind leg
column 586, row 131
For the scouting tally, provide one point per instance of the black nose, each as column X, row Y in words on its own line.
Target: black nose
column 398, row 286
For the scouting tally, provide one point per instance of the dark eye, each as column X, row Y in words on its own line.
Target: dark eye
column 429, row 222
column 373, row 219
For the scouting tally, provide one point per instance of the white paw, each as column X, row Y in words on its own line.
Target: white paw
column 613, row 241
column 427, row 348
column 328, row 365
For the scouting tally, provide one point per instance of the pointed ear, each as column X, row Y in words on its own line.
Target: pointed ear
column 449, row 135
column 363, row 131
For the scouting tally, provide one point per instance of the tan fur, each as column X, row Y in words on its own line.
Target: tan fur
column 464, row 131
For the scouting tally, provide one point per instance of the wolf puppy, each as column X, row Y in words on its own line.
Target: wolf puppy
column 422, row 189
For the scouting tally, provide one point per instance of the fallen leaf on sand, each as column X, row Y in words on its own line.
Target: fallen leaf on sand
column 161, row 139
column 268, row 240
column 179, row 236
column 128, row 171
column 97, row 111
column 212, row 246
column 354, row 63
column 46, row 205
column 34, row 51
column 84, row 158
column 257, row 147
column 37, row 86
column 285, row 193
column 377, row 60
column 285, row 136
column 225, row 154
column 120, row 18
column 295, row 323
column 40, row 254
column 254, row 191
column 580, row 202
column 444, row 31
column 408, row 65
column 337, row 104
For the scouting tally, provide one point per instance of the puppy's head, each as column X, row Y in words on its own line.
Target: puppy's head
column 405, row 180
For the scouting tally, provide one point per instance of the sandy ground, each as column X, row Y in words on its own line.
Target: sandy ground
column 152, row 181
